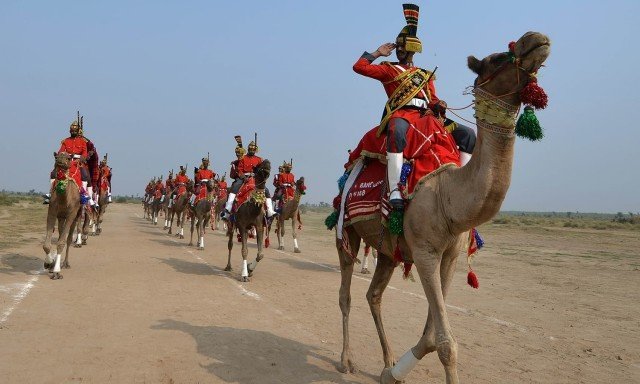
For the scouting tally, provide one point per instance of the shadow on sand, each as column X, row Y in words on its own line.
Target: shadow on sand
column 18, row 264
column 304, row 265
column 250, row 356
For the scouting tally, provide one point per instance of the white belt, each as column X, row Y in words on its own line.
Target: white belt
column 286, row 185
column 415, row 102
column 204, row 180
column 76, row 156
column 248, row 174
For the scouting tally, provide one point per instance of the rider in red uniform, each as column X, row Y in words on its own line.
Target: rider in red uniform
column 401, row 111
column 106, row 173
column 243, row 170
column 180, row 183
column 202, row 176
column 285, row 182
column 76, row 146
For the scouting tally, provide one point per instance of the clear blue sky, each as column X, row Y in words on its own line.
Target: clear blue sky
column 161, row 83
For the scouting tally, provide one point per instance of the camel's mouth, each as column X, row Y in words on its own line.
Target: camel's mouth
column 533, row 49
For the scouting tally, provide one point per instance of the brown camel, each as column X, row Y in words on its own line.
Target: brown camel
column 179, row 209
column 217, row 210
column 290, row 212
column 164, row 207
column 64, row 206
column 86, row 219
column 201, row 213
column 250, row 214
column 103, row 202
column 443, row 210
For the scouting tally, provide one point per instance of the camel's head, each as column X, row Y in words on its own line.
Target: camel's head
column 261, row 172
column 63, row 160
column 190, row 185
column 507, row 73
column 300, row 187
column 210, row 185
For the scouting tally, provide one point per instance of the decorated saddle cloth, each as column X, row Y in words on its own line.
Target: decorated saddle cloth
column 429, row 147
column 104, row 183
column 72, row 174
column 202, row 193
column 246, row 192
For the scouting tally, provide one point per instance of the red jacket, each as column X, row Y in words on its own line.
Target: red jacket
column 74, row 146
column 284, row 178
column 204, row 174
column 248, row 163
column 386, row 72
column 184, row 179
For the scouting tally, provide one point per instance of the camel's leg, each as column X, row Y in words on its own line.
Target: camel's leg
column 170, row 226
column 65, row 263
column 49, row 258
column 280, row 233
column 64, row 224
column 201, row 226
column 296, row 249
column 428, row 265
column 244, row 276
column 427, row 343
column 193, row 223
column 379, row 283
column 183, row 216
column 229, row 245
column 260, row 237
column 346, row 271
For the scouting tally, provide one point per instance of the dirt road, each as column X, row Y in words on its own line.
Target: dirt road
column 139, row 306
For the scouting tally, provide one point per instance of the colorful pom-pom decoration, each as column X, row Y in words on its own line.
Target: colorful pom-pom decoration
column 479, row 239
column 532, row 94
column 472, row 279
column 396, row 219
column 528, row 127
column 61, row 187
column 404, row 173
column 332, row 220
column 342, row 180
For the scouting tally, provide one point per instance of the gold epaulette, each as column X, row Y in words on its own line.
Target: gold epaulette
column 451, row 126
column 429, row 73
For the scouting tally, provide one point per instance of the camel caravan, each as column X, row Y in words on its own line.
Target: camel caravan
column 80, row 191
column 246, row 207
column 414, row 189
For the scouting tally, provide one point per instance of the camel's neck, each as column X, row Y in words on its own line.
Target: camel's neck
column 476, row 191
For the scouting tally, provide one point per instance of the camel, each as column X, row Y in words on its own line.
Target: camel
column 250, row 214
column 290, row 211
column 179, row 208
column 103, row 202
column 154, row 208
column 64, row 206
column 201, row 213
column 86, row 219
column 443, row 210
column 217, row 210
column 164, row 207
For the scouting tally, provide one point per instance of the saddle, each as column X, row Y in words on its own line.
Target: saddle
column 246, row 192
column 73, row 174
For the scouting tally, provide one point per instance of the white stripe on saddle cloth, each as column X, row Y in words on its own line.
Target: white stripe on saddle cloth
column 355, row 171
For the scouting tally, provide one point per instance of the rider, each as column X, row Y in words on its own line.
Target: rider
column 244, row 169
column 159, row 187
column 202, row 176
column 105, row 172
column 285, row 183
column 93, row 167
column 181, row 181
column 222, row 188
column 76, row 146
column 411, row 91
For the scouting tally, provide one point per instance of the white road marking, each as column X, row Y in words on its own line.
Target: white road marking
column 22, row 292
column 461, row 310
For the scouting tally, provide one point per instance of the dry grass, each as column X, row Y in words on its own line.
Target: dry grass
column 21, row 220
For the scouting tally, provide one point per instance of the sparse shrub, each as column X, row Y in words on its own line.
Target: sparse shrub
column 121, row 199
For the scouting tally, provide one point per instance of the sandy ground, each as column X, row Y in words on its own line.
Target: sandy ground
column 139, row 306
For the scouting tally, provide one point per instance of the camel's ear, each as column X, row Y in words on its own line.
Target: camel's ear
column 474, row 64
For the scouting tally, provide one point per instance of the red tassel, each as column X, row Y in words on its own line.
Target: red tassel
column 336, row 202
column 472, row 280
column 267, row 243
column 512, row 47
column 533, row 95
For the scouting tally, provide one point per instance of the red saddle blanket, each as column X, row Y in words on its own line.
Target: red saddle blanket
column 73, row 173
column 180, row 190
column 364, row 199
column 104, row 184
column 244, row 194
column 429, row 146
column 201, row 194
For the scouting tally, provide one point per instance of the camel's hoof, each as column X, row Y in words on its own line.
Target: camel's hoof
column 297, row 250
column 47, row 266
column 65, row 265
column 228, row 268
column 84, row 242
column 280, row 247
column 244, row 279
column 387, row 378
column 250, row 273
column 190, row 245
column 56, row 276
column 77, row 246
column 348, row 367
column 200, row 248
column 182, row 237
column 365, row 271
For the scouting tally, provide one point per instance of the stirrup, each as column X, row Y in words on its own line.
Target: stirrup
column 224, row 215
column 396, row 204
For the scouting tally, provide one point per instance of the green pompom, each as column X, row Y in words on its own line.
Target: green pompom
column 61, row 186
column 396, row 219
column 331, row 220
column 528, row 126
